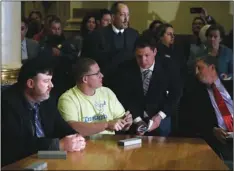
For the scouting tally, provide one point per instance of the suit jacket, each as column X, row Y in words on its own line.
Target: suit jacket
column 129, row 89
column 104, row 51
column 202, row 111
column 32, row 48
column 18, row 132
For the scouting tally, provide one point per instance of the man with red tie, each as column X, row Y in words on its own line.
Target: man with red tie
column 212, row 107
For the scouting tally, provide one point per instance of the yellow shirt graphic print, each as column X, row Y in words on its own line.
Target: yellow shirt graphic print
column 102, row 106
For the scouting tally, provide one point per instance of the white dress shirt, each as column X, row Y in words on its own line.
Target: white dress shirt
column 161, row 113
column 24, row 53
column 117, row 30
column 227, row 99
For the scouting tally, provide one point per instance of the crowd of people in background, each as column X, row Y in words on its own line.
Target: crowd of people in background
column 151, row 76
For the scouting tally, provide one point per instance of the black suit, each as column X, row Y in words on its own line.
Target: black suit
column 204, row 117
column 18, row 131
column 108, row 51
column 129, row 89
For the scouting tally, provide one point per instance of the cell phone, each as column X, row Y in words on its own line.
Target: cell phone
column 195, row 10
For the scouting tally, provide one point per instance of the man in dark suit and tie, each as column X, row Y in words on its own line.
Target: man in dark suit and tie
column 29, row 48
column 212, row 107
column 146, row 89
column 114, row 44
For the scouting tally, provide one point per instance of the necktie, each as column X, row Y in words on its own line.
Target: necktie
column 146, row 80
column 37, row 122
column 228, row 120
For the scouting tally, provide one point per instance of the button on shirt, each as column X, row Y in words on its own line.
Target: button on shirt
column 162, row 114
column 227, row 99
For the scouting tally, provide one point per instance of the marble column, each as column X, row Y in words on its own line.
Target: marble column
column 10, row 39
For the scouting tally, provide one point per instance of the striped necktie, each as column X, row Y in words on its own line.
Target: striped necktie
column 146, row 80
column 37, row 122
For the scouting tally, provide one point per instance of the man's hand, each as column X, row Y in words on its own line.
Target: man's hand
column 55, row 52
column 72, row 143
column 220, row 134
column 223, row 76
column 156, row 122
column 116, row 125
column 128, row 119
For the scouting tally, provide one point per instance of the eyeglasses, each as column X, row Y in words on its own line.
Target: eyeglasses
column 97, row 74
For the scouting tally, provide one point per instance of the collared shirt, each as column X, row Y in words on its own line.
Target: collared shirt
column 227, row 99
column 117, row 30
column 161, row 113
column 24, row 53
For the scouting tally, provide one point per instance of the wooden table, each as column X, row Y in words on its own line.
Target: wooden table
column 155, row 153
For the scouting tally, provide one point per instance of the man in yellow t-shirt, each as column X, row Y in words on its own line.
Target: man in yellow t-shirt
column 90, row 108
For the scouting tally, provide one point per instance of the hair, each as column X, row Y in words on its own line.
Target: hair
column 34, row 66
column 36, row 12
column 161, row 30
column 54, row 19
column 82, row 67
column 199, row 18
column 215, row 27
column 146, row 40
column 86, row 18
column 151, row 26
column 208, row 60
column 24, row 20
column 114, row 7
column 102, row 12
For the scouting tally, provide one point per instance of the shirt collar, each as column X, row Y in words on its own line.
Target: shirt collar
column 117, row 30
column 217, row 82
column 150, row 68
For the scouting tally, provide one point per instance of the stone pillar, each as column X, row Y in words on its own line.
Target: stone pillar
column 10, row 40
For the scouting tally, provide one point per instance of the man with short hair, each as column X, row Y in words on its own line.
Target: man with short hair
column 104, row 18
column 30, row 120
column 52, row 42
column 147, row 89
column 90, row 108
column 211, row 107
column 114, row 44
column 29, row 47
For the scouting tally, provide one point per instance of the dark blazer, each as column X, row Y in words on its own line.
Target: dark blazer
column 104, row 51
column 18, row 132
column 129, row 89
column 201, row 107
column 204, row 118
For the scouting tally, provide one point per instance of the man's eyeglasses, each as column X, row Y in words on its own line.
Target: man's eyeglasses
column 97, row 74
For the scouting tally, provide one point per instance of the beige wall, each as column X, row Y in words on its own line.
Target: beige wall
column 177, row 12
column 88, row 4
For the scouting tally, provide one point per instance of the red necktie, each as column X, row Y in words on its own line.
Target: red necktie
column 223, row 108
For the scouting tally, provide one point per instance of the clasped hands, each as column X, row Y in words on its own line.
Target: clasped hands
column 120, row 124
column 71, row 143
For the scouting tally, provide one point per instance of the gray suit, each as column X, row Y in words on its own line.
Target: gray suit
column 33, row 48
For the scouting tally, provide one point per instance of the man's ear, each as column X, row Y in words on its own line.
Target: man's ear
column 155, row 51
column 30, row 83
column 84, row 79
